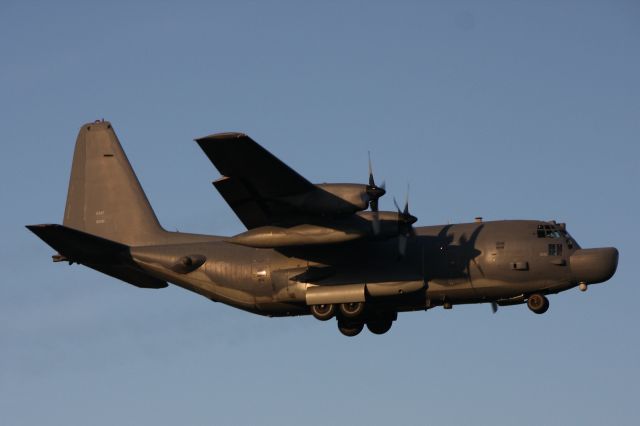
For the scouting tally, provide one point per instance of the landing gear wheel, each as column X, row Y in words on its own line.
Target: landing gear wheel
column 323, row 312
column 538, row 303
column 350, row 328
column 379, row 326
column 352, row 309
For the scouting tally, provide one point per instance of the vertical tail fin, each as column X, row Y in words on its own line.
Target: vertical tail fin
column 105, row 197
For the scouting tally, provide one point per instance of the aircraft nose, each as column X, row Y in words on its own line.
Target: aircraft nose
column 593, row 266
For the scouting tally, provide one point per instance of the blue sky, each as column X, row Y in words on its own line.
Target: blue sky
column 500, row 109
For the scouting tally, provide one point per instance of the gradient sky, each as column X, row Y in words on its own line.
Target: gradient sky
column 500, row 109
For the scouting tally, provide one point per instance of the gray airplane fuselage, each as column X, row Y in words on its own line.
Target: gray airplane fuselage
column 463, row 263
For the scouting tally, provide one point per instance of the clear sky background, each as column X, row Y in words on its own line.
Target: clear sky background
column 500, row 109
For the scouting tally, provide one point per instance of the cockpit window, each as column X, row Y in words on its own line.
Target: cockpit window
column 553, row 231
column 568, row 238
column 548, row 231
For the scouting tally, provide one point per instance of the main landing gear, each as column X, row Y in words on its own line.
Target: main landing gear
column 538, row 303
column 379, row 325
column 323, row 312
column 350, row 328
column 352, row 310
column 352, row 317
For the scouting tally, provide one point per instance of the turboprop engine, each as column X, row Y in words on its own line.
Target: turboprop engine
column 339, row 198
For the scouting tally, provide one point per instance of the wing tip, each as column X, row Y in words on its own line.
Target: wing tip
column 226, row 136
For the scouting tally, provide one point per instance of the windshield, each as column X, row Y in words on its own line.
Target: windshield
column 549, row 231
column 556, row 231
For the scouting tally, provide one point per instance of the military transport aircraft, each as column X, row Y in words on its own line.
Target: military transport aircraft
column 320, row 249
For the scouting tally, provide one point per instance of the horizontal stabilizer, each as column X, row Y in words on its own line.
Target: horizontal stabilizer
column 79, row 246
column 106, row 256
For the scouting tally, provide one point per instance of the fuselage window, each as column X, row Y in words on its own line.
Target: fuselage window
column 555, row 249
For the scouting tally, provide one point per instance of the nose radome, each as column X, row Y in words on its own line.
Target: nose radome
column 593, row 266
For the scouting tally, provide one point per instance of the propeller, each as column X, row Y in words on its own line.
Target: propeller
column 374, row 192
column 494, row 307
column 405, row 220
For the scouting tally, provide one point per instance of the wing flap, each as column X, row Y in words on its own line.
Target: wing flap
column 249, row 208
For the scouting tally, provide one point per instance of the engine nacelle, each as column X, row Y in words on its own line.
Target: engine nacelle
column 333, row 199
column 360, row 225
column 301, row 235
column 354, row 194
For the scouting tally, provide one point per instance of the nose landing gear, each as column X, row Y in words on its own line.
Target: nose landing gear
column 538, row 303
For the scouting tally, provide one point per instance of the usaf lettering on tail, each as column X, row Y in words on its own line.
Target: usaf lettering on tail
column 319, row 249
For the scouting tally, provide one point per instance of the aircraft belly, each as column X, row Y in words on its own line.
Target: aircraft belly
column 442, row 290
column 200, row 283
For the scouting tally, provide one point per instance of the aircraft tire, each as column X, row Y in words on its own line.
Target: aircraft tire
column 323, row 312
column 538, row 303
column 379, row 326
column 352, row 310
column 350, row 328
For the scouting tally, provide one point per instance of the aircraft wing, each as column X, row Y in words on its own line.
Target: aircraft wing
column 254, row 181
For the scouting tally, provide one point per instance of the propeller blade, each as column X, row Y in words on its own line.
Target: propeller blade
column 494, row 307
column 373, row 191
column 402, row 244
column 405, row 220
column 406, row 203
column 376, row 222
column 397, row 206
column 371, row 181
